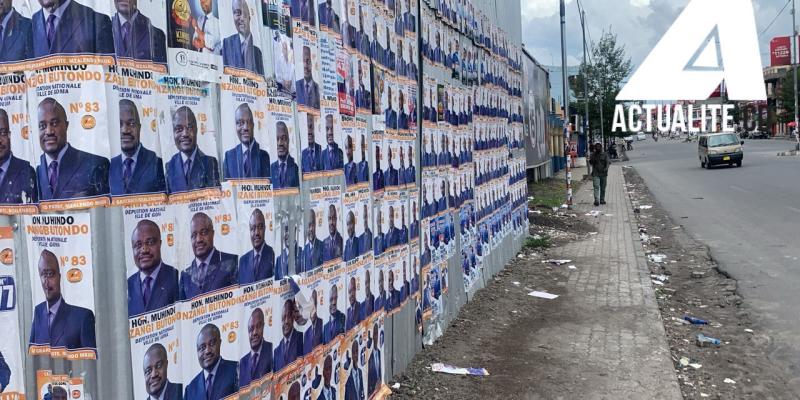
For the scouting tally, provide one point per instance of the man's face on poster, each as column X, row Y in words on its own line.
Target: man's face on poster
column 329, row 130
column 52, row 128
column 241, row 17
column 5, row 136
column 206, row 5
column 310, row 129
column 202, row 235
column 287, row 319
column 307, row 63
column 351, row 225
column 129, row 128
column 155, row 370
column 255, row 329
column 208, row 346
column 282, row 139
column 311, row 230
column 244, row 124
column 184, row 131
column 257, row 229
column 124, row 7
column 50, row 277
column 332, row 220
column 146, row 245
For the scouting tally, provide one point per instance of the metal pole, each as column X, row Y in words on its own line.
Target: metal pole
column 794, row 75
column 602, row 129
column 586, row 83
column 566, row 103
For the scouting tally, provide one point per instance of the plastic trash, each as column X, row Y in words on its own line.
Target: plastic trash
column 695, row 320
column 703, row 341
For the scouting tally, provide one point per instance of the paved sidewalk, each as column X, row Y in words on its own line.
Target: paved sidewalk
column 615, row 346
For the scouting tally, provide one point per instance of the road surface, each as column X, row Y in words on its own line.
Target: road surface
column 749, row 217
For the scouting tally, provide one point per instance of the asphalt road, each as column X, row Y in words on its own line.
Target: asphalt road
column 749, row 217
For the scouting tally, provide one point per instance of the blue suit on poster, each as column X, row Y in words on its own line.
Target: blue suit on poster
column 20, row 178
column 79, row 29
column 249, row 371
column 334, row 327
column 365, row 242
column 392, row 176
column 351, row 249
column 5, row 373
column 232, row 54
column 225, row 382
column 288, row 350
column 354, row 388
column 221, row 271
column 72, row 327
column 380, row 245
column 233, row 163
column 282, row 265
column 374, row 373
column 402, row 121
column 313, row 335
column 312, row 98
column 164, row 291
column 333, row 247
column 146, row 42
column 80, row 174
column 312, row 158
column 368, row 305
column 380, row 302
column 413, row 230
column 147, row 176
column 204, row 173
column 332, row 157
column 312, row 255
column 16, row 44
column 288, row 178
column 391, row 118
column 377, row 180
column 363, row 171
column 249, row 273
column 355, row 314
column 411, row 174
column 350, row 173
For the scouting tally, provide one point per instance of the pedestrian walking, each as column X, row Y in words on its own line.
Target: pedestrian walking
column 600, row 162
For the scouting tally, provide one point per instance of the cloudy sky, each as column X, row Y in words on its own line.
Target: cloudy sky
column 639, row 24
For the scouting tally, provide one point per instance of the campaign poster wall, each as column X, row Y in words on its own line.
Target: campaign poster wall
column 357, row 221
column 307, row 68
column 336, row 325
column 60, row 255
column 357, row 309
column 324, row 242
column 154, row 325
column 259, row 331
column 329, row 136
column 68, row 104
column 240, row 32
column 136, row 172
column 257, row 233
column 19, row 191
column 194, row 41
column 188, row 141
column 142, row 43
column 10, row 348
column 356, row 147
column 246, row 153
column 282, row 142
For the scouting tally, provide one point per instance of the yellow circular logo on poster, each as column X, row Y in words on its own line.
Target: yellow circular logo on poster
column 153, row 125
column 226, row 229
column 74, row 275
column 76, row 394
column 25, row 132
column 181, row 12
column 170, row 240
column 231, row 337
column 88, row 122
column 7, row 256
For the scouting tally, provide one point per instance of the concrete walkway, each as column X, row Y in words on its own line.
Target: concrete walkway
column 614, row 341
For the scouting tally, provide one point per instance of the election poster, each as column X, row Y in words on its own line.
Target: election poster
column 277, row 42
column 139, row 31
column 60, row 255
column 362, row 83
column 324, row 243
column 282, row 143
column 396, row 264
column 188, row 138
column 356, row 214
column 69, row 105
column 307, row 67
column 378, row 162
column 356, row 169
column 413, row 216
column 154, row 325
column 53, row 386
column 194, row 41
column 336, row 325
column 321, row 372
column 330, row 49
column 136, row 173
column 246, row 154
column 95, row 44
column 13, row 385
column 18, row 189
column 372, row 357
column 258, row 330
column 291, row 384
column 357, row 309
column 329, row 133
column 288, row 341
column 240, row 25
column 257, row 233
column 345, row 82
column 311, row 301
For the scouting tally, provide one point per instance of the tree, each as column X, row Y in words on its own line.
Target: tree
column 785, row 110
column 608, row 67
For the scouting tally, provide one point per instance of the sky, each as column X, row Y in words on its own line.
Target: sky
column 638, row 24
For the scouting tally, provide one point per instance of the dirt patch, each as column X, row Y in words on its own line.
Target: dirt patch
column 693, row 286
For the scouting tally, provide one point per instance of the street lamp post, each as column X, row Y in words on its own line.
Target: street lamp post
column 794, row 76
column 566, row 104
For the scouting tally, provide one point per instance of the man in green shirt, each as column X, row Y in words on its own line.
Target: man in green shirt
column 599, row 162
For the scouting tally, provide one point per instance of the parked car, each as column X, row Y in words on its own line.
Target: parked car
column 641, row 136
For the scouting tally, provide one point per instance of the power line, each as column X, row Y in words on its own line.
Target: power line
column 776, row 18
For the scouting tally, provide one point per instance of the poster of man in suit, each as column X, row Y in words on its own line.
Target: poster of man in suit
column 189, row 147
column 63, row 288
column 356, row 167
column 240, row 28
column 246, row 154
column 307, row 72
column 194, row 42
column 326, row 246
column 355, row 204
column 73, row 149
column 257, row 233
column 18, row 182
column 71, row 28
column 137, row 166
column 139, row 30
column 282, row 145
column 12, row 371
column 277, row 43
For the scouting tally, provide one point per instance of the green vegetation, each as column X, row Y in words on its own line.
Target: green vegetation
column 550, row 193
column 534, row 243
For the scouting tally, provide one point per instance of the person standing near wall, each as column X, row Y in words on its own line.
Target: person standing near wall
column 599, row 162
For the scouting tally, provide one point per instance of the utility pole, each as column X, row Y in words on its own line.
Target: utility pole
column 566, row 103
column 794, row 76
column 590, row 135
